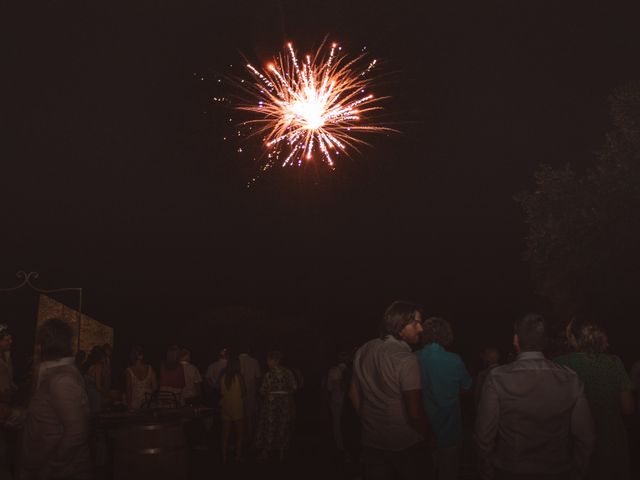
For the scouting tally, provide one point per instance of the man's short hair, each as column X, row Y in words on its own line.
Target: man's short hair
column 437, row 330
column 55, row 339
column 531, row 331
column 397, row 316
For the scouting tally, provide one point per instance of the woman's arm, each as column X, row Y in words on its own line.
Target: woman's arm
column 627, row 402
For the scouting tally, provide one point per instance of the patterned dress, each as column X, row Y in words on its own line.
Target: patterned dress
column 605, row 378
column 276, row 415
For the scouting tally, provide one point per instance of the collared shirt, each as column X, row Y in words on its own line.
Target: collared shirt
column 382, row 371
column 443, row 377
column 56, row 432
column 534, row 418
column 49, row 364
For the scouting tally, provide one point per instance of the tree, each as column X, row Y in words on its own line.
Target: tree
column 584, row 228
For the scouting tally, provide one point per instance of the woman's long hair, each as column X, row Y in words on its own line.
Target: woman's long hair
column 590, row 337
column 231, row 371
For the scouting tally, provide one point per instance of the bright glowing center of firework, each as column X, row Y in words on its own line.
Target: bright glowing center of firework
column 314, row 105
column 309, row 112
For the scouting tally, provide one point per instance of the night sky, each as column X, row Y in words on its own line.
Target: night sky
column 115, row 177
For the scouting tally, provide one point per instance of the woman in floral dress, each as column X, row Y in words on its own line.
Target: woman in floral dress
column 276, row 416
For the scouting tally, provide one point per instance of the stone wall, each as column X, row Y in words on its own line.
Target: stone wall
column 92, row 332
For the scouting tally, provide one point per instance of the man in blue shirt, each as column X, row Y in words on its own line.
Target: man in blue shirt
column 444, row 376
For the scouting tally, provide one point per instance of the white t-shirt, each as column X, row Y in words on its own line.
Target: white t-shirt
column 192, row 379
column 214, row 370
column 382, row 371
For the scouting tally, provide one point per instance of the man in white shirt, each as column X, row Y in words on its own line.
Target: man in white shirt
column 56, row 433
column 386, row 391
column 214, row 370
column 533, row 418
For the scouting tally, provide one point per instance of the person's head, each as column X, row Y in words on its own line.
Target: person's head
column 343, row 357
column 587, row 337
column 437, row 330
column 185, row 355
column 402, row 320
column 274, row 358
column 530, row 333
column 96, row 356
column 5, row 339
column 224, row 354
column 490, row 356
column 54, row 339
column 173, row 355
column 136, row 355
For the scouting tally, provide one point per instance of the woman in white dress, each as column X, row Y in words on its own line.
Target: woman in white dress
column 141, row 380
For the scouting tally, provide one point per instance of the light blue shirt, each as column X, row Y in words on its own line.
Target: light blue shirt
column 443, row 376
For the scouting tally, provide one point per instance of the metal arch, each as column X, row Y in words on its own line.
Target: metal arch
column 25, row 280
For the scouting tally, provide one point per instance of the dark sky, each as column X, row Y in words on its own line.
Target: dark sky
column 114, row 176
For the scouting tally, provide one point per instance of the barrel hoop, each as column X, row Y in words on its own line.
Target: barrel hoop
column 152, row 451
column 156, row 426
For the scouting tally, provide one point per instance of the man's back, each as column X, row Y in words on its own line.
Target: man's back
column 250, row 370
column 56, row 432
column 528, row 413
column 383, row 369
column 444, row 376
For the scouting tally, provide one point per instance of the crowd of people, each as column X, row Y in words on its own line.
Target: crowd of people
column 395, row 403
column 536, row 417
column 255, row 411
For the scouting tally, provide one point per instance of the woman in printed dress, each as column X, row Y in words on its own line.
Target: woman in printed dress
column 276, row 416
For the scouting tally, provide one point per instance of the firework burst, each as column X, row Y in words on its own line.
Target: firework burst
column 312, row 107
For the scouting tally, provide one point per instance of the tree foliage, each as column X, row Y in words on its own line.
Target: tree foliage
column 584, row 227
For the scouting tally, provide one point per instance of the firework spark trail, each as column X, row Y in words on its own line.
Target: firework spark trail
column 319, row 103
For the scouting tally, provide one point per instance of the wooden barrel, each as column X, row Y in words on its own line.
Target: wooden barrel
column 155, row 451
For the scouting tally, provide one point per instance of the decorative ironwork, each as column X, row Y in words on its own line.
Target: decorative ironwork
column 25, row 281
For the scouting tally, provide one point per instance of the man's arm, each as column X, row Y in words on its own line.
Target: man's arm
column 487, row 420
column 627, row 402
column 583, row 433
column 417, row 418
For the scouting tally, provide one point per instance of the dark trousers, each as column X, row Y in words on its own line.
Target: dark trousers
column 502, row 475
column 412, row 463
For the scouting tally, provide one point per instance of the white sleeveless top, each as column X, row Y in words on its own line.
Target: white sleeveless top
column 140, row 388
